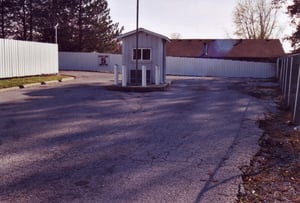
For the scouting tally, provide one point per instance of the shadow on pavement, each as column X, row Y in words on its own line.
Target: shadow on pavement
column 83, row 142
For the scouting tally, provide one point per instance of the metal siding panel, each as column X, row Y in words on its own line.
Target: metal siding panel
column 87, row 61
column 14, row 58
column 217, row 67
column 129, row 43
column 181, row 66
column 21, row 58
column 2, row 58
column 56, row 61
column 9, row 61
column 296, row 58
column 28, row 52
column 6, row 60
column 43, row 59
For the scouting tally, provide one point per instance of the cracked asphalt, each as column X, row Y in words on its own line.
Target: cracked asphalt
column 78, row 142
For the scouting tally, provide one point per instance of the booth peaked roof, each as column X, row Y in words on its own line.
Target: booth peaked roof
column 133, row 32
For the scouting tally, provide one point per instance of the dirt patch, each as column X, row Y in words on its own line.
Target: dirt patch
column 274, row 172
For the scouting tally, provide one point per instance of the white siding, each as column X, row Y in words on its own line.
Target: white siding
column 87, row 61
column 219, row 68
column 146, row 40
column 22, row 58
column 175, row 65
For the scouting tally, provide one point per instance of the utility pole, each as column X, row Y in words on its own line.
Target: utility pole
column 55, row 27
column 137, row 42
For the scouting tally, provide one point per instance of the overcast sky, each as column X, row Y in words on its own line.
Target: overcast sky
column 208, row 19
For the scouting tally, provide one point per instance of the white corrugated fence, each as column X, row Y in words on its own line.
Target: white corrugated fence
column 288, row 74
column 175, row 65
column 88, row 61
column 23, row 58
column 219, row 68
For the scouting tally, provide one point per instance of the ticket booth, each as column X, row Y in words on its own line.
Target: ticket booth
column 151, row 53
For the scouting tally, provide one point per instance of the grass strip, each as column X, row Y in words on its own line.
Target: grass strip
column 17, row 82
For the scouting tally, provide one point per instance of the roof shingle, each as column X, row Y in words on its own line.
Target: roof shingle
column 226, row 48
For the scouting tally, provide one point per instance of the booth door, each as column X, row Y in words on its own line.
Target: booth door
column 138, row 74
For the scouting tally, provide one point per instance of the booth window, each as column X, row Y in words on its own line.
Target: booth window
column 143, row 54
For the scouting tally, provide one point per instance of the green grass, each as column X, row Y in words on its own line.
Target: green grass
column 16, row 82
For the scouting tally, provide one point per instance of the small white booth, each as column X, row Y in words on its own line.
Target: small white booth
column 151, row 56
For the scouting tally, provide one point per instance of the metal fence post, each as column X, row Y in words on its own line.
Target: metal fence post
column 116, row 73
column 124, row 76
column 297, row 92
column 281, row 71
column 290, row 81
column 144, row 76
column 286, row 74
column 277, row 67
column 285, row 78
column 157, row 75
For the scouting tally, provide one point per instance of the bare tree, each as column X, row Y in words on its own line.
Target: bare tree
column 175, row 35
column 255, row 19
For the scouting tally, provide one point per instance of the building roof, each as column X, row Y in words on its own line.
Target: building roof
column 225, row 48
column 133, row 32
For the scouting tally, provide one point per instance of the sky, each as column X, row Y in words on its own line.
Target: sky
column 202, row 19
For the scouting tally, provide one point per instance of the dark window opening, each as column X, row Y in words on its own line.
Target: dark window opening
column 138, row 54
column 142, row 54
column 146, row 54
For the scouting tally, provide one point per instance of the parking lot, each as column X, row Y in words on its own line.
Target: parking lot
column 78, row 142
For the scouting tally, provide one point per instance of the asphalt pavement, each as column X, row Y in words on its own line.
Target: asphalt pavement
column 76, row 141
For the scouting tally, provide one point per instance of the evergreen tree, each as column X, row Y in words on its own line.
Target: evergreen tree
column 87, row 26
column 21, row 19
column 98, row 31
column 84, row 25
column 294, row 11
column 52, row 13
column 3, row 17
column 6, row 18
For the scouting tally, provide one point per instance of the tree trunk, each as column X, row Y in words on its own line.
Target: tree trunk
column 30, row 21
column 23, row 14
column 2, row 19
column 80, row 26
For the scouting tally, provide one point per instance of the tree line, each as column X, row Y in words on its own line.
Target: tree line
column 258, row 19
column 255, row 19
column 82, row 25
column 293, row 10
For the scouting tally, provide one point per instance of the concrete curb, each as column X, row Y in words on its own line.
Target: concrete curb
column 37, row 84
column 149, row 88
column 30, row 85
column 49, row 82
column 9, row 89
column 67, row 79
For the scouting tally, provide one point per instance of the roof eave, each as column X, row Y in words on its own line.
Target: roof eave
column 120, row 37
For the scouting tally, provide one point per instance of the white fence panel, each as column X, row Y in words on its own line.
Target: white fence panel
column 23, row 58
column 88, row 61
column 175, row 65
column 219, row 68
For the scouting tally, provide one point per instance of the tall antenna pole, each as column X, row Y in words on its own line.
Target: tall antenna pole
column 137, row 42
